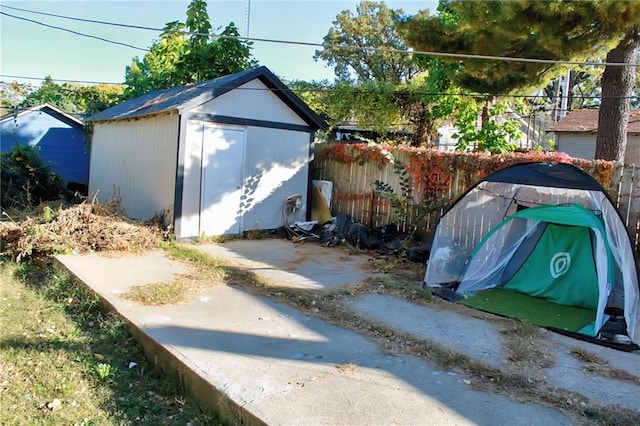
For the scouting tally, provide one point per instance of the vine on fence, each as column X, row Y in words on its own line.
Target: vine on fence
column 434, row 171
column 399, row 202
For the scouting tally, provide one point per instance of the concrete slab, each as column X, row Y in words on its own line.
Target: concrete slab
column 569, row 372
column 304, row 266
column 257, row 361
column 478, row 339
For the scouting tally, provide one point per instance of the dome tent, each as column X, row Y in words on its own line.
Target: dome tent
column 544, row 236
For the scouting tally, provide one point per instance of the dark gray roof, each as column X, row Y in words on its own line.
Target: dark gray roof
column 185, row 98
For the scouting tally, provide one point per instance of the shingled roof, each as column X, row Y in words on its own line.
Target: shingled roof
column 586, row 120
column 185, row 98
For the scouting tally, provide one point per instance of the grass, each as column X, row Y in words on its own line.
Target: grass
column 208, row 272
column 64, row 361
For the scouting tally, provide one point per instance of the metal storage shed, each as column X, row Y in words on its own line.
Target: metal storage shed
column 213, row 158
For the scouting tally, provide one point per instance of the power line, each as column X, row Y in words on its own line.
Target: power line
column 75, row 32
column 354, row 90
column 92, row 21
column 20, row 77
column 321, row 45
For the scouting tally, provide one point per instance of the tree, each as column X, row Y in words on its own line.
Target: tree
column 374, row 27
column 187, row 53
column 521, row 30
column 61, row 96
column 379, row 85
column 617, row 84
column 12, row 94
column 72, row 98
column 96, row 98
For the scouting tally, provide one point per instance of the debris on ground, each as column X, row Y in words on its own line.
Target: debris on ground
column 83, row 228
column 344, row 230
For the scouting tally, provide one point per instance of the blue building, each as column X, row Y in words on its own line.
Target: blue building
column 58, row 136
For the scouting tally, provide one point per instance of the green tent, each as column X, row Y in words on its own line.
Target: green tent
column 552, row 256
column 543, row 243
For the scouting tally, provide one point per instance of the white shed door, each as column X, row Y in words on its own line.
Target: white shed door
column 222, row 171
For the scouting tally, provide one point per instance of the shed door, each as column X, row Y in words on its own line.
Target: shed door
column 222, row 171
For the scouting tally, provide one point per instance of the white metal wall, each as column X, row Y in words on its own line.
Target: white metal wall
column 252, row 100
column 188, row 223
column 136, row 158
column 577, row 145
column 584, row 146
column 276, row 166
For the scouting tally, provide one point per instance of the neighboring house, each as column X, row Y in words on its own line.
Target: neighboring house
column 576, row 135
column 58, row 136
column 213, row 158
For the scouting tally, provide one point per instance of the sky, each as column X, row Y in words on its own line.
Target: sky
column 28, row 49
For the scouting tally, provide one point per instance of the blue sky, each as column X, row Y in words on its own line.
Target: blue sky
column 32, row 50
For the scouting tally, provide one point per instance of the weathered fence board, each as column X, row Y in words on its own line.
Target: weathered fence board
column 354, row 193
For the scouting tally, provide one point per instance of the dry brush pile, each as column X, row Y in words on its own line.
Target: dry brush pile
column 82, row 228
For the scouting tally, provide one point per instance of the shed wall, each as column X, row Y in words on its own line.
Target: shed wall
column 584, row 146
column 136, row 160
column 59, row 144
column 276, row 166
column 252, row 100
column 577, row 145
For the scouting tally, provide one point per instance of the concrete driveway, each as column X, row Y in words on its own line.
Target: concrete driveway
column 256, row 360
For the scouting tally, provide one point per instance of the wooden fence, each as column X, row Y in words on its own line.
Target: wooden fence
column 355, row 192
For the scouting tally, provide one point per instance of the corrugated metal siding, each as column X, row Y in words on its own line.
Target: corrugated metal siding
column 276, row 166
column 60, row 145
column 577, row 145
column 138, row 159
column 252, row 100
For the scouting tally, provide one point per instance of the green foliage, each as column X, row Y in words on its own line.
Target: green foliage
column 12, row 94
column 68, row 97
column 60, row 96
column 495, row 134
column 177, row 59
column 518, row 29
column 26, row 180
column 399, row 202
column 383, row 90
column 96, row 98
column 373, row 26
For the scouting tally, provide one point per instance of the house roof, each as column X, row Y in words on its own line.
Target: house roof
column 49, row 109
column 586, row 120
column 184, row 98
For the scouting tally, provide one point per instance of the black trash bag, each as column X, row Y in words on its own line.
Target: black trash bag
column 390, row 247
column 419, row 254
column 389, row 232
column 358, row 235
column 343, row 223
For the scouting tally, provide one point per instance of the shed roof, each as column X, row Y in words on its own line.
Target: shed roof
column 49, row 109
column 184, row 98
column 586, row 120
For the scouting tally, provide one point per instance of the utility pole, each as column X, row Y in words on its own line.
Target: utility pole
column 247, row 18
column 564, row 102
